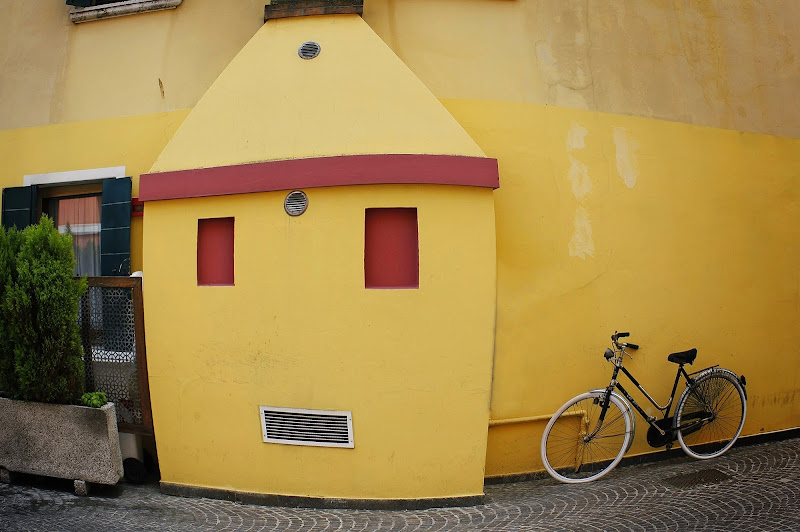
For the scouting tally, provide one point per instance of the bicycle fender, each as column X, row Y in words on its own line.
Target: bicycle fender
column 740, row 379
column 714, row 369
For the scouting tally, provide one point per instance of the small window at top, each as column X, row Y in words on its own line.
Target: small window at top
column 89, row 10
column 215, row 252
column 391, row 248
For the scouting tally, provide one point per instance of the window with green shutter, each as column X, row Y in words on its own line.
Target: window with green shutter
column 21, row 208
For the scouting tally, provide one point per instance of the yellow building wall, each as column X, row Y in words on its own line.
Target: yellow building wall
column 299, row 330
column 684, row 235
column 132, row 142
column 356, row 97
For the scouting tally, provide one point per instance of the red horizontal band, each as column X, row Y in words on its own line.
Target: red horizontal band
column 321, row 172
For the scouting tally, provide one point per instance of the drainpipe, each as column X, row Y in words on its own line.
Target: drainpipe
column 517, row 420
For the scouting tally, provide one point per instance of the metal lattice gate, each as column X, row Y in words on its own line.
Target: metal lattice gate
column 112, row 333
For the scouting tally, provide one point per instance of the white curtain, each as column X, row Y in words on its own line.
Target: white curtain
column 81, row 218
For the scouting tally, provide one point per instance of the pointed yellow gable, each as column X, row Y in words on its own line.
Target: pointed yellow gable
column 356, row 97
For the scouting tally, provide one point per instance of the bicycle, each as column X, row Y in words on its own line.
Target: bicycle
column 588, row 436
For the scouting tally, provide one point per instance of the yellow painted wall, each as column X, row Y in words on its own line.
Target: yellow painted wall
column 132, row 142
column 300, row 330
column 355, row 97
column 684, row 235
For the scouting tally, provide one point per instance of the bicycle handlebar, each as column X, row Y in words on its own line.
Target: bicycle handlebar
column 615, row 338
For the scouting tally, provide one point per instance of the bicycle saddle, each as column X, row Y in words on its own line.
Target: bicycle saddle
column 684, row 357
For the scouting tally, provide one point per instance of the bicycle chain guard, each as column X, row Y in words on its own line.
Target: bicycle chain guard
column 655, row 439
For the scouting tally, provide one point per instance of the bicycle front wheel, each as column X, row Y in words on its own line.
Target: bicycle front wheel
column 710, row 414
column 577, row 447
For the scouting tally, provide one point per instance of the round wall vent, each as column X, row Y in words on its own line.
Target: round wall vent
column 309, row 50
column 296, row 203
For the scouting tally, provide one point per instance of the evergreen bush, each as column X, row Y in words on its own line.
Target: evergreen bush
column 9, row 248
column 40, row 308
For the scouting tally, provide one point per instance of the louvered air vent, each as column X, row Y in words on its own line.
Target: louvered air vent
column 295, row 203
column 296, row 426
column 309, row 50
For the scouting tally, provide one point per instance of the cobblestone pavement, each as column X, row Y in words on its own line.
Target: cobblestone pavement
column 754, row 487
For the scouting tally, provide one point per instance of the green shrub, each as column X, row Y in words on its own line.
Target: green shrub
column 41, row 309
column 9, row 248
column 94, row 399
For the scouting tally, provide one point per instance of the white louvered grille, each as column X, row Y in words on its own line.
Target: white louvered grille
column 309, row 50
column 296, row 203
column 296, row 426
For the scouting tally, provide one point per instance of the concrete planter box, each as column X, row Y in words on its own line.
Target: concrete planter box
column 63, row 441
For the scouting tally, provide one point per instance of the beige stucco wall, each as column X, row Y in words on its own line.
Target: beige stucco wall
column 733, row 64
column 33, row 51
column 132, row 65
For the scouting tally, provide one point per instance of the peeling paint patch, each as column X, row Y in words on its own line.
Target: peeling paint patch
column 780, row 399
column 576, row 137
column 578, row 174
column 627, row 164
column 581, row 243
column 579, row 177
column 544, row 55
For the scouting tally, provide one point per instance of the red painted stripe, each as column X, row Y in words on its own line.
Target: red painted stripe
column 320, row 172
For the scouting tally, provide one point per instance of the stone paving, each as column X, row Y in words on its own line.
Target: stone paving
column 755, row 487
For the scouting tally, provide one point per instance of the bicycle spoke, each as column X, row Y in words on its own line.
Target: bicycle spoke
column 717, row 395
column 577, row 447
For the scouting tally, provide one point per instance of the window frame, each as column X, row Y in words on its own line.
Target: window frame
column 116, row 199
column 80, row 14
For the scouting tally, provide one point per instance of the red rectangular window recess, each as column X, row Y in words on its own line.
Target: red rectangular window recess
column 215, row 252
column 391, row 248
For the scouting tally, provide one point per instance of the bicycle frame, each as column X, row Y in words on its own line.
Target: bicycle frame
column 667, row 432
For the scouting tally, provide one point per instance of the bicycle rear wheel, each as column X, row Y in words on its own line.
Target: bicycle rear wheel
column 710, row 414
column 576, row 447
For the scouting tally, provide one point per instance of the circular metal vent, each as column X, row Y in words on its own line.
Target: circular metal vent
column 309, row 50
column 296, row 203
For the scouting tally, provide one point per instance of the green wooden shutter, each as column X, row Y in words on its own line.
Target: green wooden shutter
column 19, row 207
column 115, row 227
